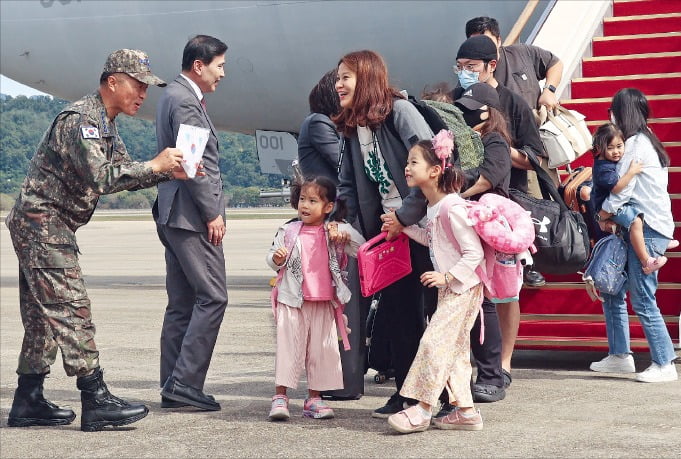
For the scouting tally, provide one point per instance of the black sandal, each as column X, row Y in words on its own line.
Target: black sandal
column 507, row 378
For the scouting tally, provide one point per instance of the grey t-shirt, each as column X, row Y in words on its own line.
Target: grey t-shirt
column 521, row 67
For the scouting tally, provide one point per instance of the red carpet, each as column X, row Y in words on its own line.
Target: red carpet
column 637, row 44
column 607, row 86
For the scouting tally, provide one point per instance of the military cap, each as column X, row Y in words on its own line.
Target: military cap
column 133, row 62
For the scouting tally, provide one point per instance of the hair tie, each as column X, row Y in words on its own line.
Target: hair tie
column 443, row 144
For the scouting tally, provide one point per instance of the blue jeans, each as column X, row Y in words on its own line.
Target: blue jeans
column 626, row 215
column 641, row 288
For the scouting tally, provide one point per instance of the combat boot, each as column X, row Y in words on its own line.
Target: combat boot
column 101, row 408
column 30, row 408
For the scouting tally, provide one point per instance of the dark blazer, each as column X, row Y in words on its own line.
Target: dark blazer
column 187, row 204
column 318, row 147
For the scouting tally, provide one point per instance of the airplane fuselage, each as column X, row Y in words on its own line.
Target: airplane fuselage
column 277, row 52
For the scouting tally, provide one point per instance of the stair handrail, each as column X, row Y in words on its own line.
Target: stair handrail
column 521, row 22
column 540, row 22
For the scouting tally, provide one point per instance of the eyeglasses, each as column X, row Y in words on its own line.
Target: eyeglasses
column 469, row 67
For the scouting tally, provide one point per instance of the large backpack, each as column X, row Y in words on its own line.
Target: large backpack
column 469, row 152
column 605, row 270
column 506, row 231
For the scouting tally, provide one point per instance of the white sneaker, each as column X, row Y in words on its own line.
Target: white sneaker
column 658, row 373
column 615, row 363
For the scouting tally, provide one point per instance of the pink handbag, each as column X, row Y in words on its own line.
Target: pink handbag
column 383, row 262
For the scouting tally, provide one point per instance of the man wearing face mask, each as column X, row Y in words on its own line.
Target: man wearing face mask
column 475, row 63
column 520, row 67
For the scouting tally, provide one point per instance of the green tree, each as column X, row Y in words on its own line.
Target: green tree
column 23, row 121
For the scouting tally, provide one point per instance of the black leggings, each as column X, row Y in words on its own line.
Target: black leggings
column 402, row 305
column 488, row 355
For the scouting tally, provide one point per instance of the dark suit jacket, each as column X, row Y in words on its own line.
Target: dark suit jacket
column 187, row 204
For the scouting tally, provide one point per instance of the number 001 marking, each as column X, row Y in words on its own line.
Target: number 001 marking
column 272, row 142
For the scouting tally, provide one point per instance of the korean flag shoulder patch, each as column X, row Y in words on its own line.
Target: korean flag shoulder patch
column 89, row 132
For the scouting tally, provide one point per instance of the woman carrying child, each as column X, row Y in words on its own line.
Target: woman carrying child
column 646, row 194
column 310, row 255
column 608, row 148
column 442, row 360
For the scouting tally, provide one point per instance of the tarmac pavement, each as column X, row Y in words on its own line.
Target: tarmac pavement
column 555, row 407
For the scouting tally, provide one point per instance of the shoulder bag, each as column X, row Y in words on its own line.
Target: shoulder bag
column 382, row 262
column 563, row 133
column 561, row 235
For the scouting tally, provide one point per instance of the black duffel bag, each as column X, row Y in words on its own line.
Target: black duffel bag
column 561, row 235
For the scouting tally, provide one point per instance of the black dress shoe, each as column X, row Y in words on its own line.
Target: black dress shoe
column 395, row 404
column 340, row 398
column 487, row 393
column 167, row 403
column 176, row 391
column 533, row 278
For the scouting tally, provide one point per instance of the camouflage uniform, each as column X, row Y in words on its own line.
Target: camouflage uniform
column 80, row 157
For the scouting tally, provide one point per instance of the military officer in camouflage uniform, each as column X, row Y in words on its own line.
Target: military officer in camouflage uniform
column 80, row 157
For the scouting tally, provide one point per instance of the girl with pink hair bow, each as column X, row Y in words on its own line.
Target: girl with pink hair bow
column 442, row 360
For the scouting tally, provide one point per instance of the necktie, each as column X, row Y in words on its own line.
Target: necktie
column 203, row 102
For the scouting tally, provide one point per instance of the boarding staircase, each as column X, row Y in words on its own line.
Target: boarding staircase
column 640, row 48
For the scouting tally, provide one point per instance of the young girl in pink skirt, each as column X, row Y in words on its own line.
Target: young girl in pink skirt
column 310, row 254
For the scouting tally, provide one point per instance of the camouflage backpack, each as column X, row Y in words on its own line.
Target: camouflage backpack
column 442, row 115
column 468, row 142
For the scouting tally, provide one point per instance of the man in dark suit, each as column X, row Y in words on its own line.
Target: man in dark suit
column 190, row 223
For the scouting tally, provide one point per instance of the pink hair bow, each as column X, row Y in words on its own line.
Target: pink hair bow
column 443, row 144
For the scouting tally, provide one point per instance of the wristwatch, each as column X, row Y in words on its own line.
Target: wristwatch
column 550, row 87
column 597, row 217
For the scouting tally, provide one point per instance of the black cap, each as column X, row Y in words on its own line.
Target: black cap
column 478, row 47
column 477, row 95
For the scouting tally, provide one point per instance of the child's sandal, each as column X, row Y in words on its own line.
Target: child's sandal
column 654, row 264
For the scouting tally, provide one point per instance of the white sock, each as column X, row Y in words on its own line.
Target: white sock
column 425, row 413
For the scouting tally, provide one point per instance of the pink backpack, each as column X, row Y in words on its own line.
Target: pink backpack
column 505, row 230
column 290, row 236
